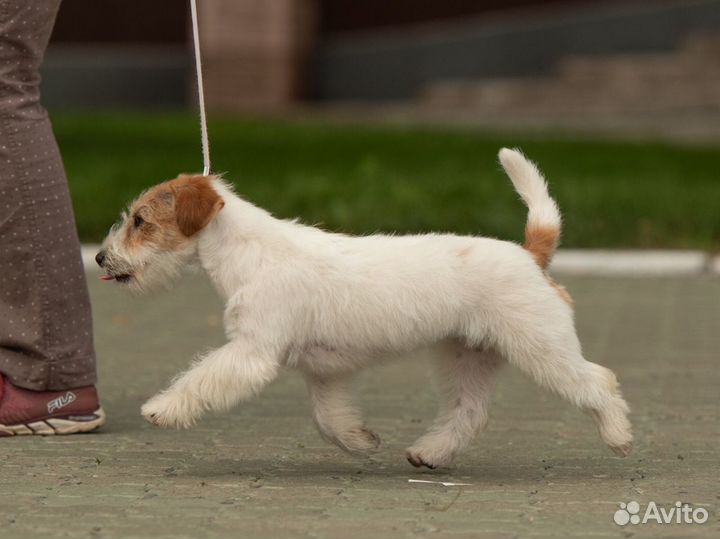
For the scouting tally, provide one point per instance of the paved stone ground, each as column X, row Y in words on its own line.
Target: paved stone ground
column 262, row 471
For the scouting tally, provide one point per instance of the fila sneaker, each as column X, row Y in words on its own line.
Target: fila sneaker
column 48, row 412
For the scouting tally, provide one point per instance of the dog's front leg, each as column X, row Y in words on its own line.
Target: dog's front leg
column 219, row 380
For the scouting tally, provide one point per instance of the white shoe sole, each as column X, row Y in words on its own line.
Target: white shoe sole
column 54, row 425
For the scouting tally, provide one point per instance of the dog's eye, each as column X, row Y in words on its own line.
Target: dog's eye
column 138, row 221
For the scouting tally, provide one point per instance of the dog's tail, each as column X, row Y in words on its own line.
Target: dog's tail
column 542, row 231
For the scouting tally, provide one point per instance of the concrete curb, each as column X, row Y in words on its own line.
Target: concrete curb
column 632, row 263
column 714, row 265
column 591, row 262
column 88, row 251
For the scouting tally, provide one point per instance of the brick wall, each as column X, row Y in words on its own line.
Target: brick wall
column 256, row 52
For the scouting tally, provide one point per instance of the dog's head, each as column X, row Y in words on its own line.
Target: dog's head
column 157, row 235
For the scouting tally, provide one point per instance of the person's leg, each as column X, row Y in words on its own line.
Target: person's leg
column 46, row 340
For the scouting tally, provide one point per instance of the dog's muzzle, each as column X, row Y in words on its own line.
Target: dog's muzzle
column 100, row 258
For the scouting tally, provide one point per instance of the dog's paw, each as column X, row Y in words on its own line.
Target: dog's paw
column 622, row 450
column 420, row 457
column 360, row 441
column 169, row 410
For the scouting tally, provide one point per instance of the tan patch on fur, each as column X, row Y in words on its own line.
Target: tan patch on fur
column 610, row 380
column 172, row 212
column 562, row 292
column 464, row 253
column 196, row 203
column 541, row 241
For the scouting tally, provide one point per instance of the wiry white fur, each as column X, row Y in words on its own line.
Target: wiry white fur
column 532, row 188
column 330, row 304
column 152, row 268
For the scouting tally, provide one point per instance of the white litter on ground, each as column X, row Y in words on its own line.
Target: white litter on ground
column 443, row 483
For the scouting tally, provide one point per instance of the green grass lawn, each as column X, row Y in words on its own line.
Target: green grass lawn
column 361, row 179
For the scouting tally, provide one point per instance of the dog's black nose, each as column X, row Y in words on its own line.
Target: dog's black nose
column 100, row 258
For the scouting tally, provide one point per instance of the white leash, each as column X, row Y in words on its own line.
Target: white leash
column 201, row 92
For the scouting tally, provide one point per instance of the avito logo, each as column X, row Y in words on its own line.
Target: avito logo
column 680, row 513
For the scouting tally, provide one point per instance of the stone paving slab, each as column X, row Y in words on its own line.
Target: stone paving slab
column 261, row 471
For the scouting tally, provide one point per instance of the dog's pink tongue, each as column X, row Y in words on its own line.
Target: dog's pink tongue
column 106, row 278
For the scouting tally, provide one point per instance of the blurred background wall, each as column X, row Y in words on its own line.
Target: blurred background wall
column 570, row 81
column 118, row 53
column 530, row 57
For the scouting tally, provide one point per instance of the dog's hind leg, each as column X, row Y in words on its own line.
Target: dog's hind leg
column 466, row 378
column 337, row 419
column 549, row 351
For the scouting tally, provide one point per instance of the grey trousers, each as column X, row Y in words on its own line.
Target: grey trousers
column 46, row 339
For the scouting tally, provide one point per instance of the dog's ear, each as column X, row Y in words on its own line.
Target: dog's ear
column 196, row 203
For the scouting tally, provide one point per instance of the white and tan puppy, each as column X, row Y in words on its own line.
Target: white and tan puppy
column 330, row 304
